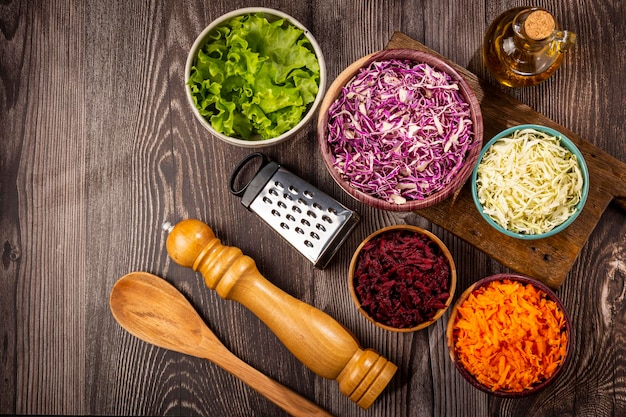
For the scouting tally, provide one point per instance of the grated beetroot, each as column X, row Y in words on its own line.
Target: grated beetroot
column 402, row 278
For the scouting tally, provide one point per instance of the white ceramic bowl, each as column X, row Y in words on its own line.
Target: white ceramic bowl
column 271, row 15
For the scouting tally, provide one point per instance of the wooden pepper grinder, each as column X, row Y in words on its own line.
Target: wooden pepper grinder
column 315, row 338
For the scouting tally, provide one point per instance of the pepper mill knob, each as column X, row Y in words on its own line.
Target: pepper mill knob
column 186, row 240
column 315, row 338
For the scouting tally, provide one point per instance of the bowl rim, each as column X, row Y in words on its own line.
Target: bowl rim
column 444, row 249
column 565, row 142
column 525, row 280
column 201, row 40
column 439, row 63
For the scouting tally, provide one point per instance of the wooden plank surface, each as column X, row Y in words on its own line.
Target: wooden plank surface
column 549, row 259
column 98, row 147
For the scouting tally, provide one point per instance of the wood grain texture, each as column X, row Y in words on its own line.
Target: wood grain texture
column 98, row 147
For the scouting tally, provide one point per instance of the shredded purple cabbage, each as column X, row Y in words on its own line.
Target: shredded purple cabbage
column 400, row 130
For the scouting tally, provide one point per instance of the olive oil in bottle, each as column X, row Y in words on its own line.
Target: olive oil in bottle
column 525, row 46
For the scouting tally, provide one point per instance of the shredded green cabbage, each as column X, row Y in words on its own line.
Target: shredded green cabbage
column 255, row 77
column 529, row 183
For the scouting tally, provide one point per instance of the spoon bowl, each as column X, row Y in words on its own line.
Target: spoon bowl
column 154, row 311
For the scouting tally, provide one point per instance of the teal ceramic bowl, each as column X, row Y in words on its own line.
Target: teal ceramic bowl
column 566, row 143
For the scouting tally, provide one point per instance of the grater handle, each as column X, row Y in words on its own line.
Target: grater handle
column 315, row 338
column 253, row 187
column 240, row 166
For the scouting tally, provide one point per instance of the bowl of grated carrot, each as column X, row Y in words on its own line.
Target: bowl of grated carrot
column 509, row 335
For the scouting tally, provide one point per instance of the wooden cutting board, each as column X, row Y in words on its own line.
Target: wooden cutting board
column 549, row 259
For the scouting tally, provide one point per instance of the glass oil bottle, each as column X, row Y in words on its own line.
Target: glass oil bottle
column 525, row 46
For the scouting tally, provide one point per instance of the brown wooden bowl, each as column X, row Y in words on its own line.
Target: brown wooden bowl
column 451, row 285
column 451, row 337
column 420, row 57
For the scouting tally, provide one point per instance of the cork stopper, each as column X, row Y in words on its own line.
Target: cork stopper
column 539, row 25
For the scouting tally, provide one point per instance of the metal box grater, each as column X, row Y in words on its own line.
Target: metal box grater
column 309, row 219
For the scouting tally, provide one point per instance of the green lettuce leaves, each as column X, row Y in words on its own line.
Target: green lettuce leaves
column 255, row 77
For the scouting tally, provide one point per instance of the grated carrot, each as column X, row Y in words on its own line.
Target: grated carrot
column 510, row 336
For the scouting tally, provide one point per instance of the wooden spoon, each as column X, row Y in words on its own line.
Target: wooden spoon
column 151, row 309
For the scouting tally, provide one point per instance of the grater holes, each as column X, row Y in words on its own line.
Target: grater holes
column 308, row 243
column 282, row 205
column 287, row 197
column 290, row 217
column 320, row 227
column 267, row 200
column 284, row 226
column 273, row 192
column 332, row 210
column 293, row 190
column 305, row 222
column 307, row 194
column 296, row 209
column 327, row 219
column 279, row 185
column 276, row 213
column 310, row 213
column 299, row 230
column 302, row 202
column 317, row 206
column 315, row 236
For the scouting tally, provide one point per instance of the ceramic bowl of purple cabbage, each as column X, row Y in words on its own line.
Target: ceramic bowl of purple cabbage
column 400, row 130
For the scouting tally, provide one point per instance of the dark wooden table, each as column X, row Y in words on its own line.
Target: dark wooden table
column 99, row 147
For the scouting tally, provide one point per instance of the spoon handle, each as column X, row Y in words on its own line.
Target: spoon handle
column 283, row 397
